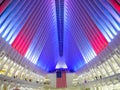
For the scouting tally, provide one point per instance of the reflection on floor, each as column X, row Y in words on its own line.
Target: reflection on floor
column 110, row 87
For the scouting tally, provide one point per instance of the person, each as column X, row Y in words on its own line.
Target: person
column 85, row 81
column 96, row 77
column 100, row 77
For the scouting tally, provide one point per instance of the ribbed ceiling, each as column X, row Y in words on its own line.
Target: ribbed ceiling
column 45, row 30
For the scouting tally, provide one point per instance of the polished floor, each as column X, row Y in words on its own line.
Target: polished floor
column 106, row 87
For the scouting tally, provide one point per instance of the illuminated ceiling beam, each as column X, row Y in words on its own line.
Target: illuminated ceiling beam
column 60, row 23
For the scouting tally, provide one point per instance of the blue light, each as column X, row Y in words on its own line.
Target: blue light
column 60, row 23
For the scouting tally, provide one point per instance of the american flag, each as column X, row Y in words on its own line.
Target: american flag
column 61, row 79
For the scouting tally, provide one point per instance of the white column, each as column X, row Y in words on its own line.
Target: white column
column 1, row 86
column 52, row 78
column 69, row 79
column 8, row 87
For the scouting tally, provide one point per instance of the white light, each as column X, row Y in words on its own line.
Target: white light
column 61, row 63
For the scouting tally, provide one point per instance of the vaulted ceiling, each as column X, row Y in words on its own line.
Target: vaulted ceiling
column 49, row 31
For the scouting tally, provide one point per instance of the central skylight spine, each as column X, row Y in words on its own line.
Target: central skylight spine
column 60, row 23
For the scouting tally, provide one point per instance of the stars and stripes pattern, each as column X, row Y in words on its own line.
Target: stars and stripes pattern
column 61, row 79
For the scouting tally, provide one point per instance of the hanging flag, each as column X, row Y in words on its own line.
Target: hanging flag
column 61, row 79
